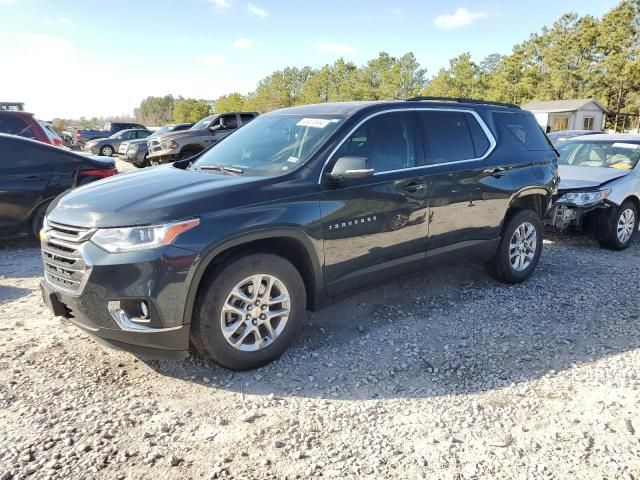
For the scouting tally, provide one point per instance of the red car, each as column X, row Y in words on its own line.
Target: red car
column 24, row 125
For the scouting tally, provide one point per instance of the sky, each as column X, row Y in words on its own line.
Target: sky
column 70, row 58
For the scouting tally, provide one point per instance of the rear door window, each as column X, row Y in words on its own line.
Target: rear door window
column 524, row 128
column 448, row 136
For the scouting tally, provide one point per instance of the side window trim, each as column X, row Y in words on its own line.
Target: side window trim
column 424, row 150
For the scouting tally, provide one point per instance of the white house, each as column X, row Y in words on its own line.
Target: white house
column 582, row 114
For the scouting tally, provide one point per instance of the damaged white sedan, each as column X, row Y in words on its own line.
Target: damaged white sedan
column 599, row 191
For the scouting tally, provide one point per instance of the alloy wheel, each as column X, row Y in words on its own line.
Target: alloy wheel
column 255, row 312
column 626, row 224
column 522, row 248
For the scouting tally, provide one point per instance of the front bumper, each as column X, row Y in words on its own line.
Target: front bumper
column 592, row 219
column 159, row 278
column 137, row 158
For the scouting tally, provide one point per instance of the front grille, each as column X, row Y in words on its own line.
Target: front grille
column 154, row 145
column 64, row 266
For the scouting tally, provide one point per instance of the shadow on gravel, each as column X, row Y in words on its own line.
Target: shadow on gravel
column 454, row 331
column 8, row 293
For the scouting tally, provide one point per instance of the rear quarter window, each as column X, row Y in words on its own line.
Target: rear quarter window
column 524, row 128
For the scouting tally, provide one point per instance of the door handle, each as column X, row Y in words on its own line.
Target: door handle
column 414, row 187
column 496, row 172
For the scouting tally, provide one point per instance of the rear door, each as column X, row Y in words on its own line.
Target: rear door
column 468, row 189
column 376, row 227
column 24, row 177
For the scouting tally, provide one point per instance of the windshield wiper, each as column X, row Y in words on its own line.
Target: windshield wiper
column 222, row 168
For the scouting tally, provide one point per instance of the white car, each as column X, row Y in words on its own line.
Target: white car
column 599, row 190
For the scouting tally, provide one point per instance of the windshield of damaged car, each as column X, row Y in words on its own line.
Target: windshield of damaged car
column 271, row 144
column 610, row 154
column 203, row 123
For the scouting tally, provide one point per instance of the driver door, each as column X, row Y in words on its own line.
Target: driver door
column 376, row 227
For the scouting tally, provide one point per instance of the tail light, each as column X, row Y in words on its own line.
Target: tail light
column 107, row 172
column 57, row 142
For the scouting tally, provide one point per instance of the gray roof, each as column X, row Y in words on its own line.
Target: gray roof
column 562, row 105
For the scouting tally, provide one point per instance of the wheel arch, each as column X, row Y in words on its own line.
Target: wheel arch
column 290, row 243
column 537, row 199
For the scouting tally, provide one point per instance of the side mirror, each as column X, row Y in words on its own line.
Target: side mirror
column 350, row 168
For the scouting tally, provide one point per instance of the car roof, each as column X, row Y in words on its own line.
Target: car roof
column 133, row 130
column 350, row 108
column 609, row 137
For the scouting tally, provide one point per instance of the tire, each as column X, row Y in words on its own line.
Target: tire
column 622, row 227
column 37, row 219
column 505, row 266
column 244, row 321
column 106, row 151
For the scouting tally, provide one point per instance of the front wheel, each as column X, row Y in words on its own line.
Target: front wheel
column 249, row 311
column 520, row 248
column 623, row 224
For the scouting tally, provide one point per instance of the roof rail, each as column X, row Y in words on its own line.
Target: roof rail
column 461, row 100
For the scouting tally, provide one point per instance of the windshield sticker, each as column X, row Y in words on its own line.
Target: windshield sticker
column 293, row 159
column 314, row 122
column 625, row 145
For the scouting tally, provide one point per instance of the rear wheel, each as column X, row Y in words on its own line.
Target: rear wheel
column 249, row 312
column 622, row 227
column 106, row 151
column 520, row 248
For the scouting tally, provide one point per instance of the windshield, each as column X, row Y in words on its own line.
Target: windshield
column 202, row 123
column 610, row 154
column 271, row 145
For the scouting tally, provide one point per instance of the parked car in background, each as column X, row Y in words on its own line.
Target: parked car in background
column 560, row 136
column 23, row 124
column 599, row 190
column 32, row 174
column 226, row 251
column 208, row 131
column 82, row 136
column 108, row 146
column 135, row 151
column 54, row 138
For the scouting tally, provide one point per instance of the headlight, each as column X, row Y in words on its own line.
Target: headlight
column 45, row 227
column 169, row 145
column 127, row 239
column 133, row 147
column 582, row 199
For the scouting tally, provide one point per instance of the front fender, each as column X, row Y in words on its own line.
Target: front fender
column 312, row 246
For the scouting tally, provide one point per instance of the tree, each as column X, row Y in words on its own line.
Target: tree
column 461, row 79
column 190, row 110
column 155, row 110
column 618, row 48
column 234, row 102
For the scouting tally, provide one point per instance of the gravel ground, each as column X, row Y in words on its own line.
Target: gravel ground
column 447, row 374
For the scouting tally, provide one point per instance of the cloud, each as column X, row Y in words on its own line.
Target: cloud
column 220, row 4
column 460, row 18
column 257, row 11
column 243, row 42
column 335, row 48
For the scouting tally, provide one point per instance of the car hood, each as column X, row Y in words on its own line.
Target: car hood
column 572, row 178
column 151, row 195
column 182, row 134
